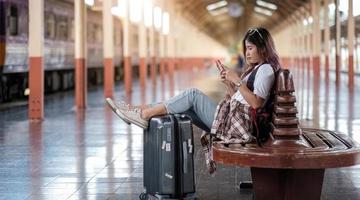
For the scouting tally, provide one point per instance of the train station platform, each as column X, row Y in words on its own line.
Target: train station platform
column 60, row 59
column 92, row 154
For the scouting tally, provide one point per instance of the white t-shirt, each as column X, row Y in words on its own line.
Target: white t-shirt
column 264, row 80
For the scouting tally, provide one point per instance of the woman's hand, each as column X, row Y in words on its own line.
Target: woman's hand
column 230, row 87
column 226, row 73
column 230, row 75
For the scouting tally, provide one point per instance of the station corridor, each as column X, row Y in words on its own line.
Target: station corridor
column 92, row 154
column 60, row 60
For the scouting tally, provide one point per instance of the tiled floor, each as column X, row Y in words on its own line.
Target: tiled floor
column 92, row 154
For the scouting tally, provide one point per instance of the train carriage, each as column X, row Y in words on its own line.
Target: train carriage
column 58, row 47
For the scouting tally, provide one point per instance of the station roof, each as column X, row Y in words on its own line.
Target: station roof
column 227, row 21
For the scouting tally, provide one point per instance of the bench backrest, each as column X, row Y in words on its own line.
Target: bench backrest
column 285, row 122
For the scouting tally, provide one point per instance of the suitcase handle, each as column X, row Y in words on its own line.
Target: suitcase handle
column 185, row 156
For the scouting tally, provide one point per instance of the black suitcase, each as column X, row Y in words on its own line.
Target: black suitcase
column 169, row 158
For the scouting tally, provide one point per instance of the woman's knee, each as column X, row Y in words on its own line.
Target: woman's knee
column 193, row 91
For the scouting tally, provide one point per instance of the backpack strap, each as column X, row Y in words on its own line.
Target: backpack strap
column 251, row 79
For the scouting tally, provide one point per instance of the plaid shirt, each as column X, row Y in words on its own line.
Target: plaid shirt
column 232, row 123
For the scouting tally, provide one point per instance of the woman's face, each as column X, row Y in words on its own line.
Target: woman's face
column 252, row 55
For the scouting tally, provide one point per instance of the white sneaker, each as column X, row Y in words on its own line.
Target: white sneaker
column 134, row 117
column 116, row 109
column 122, row 105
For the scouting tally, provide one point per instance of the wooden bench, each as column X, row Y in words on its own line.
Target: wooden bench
column 291, row 164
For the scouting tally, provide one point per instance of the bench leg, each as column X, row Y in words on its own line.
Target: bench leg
column 289, row 184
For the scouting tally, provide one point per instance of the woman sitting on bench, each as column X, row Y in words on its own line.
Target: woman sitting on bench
column 230, row 119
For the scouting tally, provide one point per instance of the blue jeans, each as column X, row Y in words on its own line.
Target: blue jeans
column 192, row 102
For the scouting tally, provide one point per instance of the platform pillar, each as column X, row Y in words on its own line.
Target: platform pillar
column 142, row 50
column 153, row 67
column 351, row 41
column 36, row 53
column 80, row 55
column 162, row 56
column 316, row 37
column 127, row 46
column 326, row 38
column 108, row 48
column 337, row 42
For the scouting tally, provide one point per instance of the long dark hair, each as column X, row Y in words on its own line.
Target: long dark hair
column 264, row 43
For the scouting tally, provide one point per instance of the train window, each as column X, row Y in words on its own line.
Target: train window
column 98, row 34
column 49, row 25
column 117, row 35
column 72, row 30
column 13, row 20
column 23, row 20
column 62, row 32
column 95, row 33
column 2, row 19
column 91, row 33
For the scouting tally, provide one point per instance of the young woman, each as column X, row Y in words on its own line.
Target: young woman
column 230, row 119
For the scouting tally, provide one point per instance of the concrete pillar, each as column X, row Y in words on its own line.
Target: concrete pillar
column 293, row 55
column 337, row 42
column 142, row 50
column 108, row 48
column 80, row 55
column 171, row 57
column 316, row 51
column 36, row 52
column 162, row 44
column 153, row 67
column 326, row 38
column 127, row 44
column 316, row 39
column 302, row 43
column 306, row 70
column 176, row 45
column 309, row 45
column 162, row 56
column 351, row 41
column 305, row 37
column 169, row 44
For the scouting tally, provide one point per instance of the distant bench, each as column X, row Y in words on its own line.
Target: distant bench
column 291, row 164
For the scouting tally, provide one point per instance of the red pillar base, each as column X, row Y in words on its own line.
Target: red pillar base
column 108, row 77
column 162, row 69
column 80, row 83
column 351, row 71
column 153, row 70
column 316, row 65
column 128, row 74
column 327, row 67
column 142, row 72
column 162, row 76
column 337, row 69
column 36, row 85
column 171, row 66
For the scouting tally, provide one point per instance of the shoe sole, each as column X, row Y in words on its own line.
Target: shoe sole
column 133, row 121
column 116, row 110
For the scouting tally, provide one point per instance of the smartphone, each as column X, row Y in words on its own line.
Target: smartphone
column 220, row 66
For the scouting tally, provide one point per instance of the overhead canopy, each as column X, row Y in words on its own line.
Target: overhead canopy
column 227, row 20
